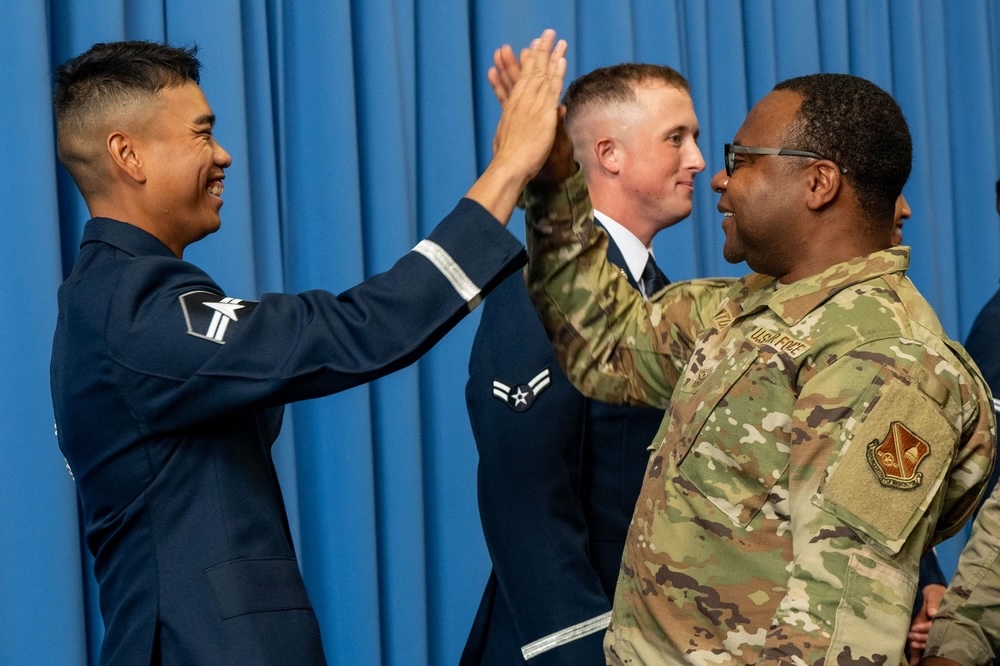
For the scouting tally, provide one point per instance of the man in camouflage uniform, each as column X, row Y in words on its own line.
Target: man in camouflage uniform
column 966, row 630
column 822, row 430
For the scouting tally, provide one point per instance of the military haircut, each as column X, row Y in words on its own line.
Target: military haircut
column 97, row 86
column 853, row 122
column 616, row 85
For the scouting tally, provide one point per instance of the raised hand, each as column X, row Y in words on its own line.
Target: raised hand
column 503, row 76
column 505, row 71
column 530, row 102
column 524, row 138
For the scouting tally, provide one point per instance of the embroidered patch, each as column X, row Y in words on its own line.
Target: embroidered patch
column 209, row 315
column 780, row 341
column 895, row 459
column 522, row 396
column 722, row 319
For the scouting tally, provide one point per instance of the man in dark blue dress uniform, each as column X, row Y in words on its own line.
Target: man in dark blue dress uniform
column 983, row 345
column 168, row 392
column 558, row 473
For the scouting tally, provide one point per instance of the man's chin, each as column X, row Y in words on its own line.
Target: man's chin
column 732, row 255
column 208, row 229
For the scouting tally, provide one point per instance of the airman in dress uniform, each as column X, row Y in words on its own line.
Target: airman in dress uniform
column 169, row 393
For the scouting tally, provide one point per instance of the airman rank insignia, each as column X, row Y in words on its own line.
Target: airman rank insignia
column 522, row 396
column 895, row 459
column 209, row 315
column 723, row 319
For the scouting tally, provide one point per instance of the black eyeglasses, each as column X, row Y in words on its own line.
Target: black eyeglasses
column 731, row 151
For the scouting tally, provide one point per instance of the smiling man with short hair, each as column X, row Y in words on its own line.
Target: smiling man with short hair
column 822, row 432
column 169, row 393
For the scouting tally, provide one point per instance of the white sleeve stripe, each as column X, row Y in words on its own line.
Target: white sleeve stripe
column 567, row 635
column 996, row 405
column 436, row 254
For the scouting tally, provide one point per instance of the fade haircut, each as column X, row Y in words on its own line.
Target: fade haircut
column 614, row 85
column 98, row 88
column 859, row 126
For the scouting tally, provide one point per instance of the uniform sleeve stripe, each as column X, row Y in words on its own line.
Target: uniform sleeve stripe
column 996, row 405
column 436, row 254
column 567, row 635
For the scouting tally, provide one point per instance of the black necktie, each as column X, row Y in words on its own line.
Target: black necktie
column 652, row 279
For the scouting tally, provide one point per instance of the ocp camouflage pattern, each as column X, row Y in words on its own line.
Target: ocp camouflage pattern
column 967, row 626
column 785, row 508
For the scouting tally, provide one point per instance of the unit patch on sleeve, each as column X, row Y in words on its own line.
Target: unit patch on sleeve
column 895, row 459
column 522, row 396
column 209, row 315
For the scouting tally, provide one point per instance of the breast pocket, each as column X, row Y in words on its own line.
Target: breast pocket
column 739, row 425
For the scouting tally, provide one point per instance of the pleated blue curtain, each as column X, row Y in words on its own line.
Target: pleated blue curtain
column 354, row 127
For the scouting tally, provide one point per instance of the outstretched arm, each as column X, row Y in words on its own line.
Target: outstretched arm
column 526, row 130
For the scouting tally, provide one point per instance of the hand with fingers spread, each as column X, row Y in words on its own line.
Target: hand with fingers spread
column 503, row 76
column 527, row 126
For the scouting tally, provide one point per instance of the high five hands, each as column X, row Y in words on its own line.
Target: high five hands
column 503, row 77
column 528, row 122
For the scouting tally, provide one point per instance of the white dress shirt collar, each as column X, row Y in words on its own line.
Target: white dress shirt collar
column 636, row 254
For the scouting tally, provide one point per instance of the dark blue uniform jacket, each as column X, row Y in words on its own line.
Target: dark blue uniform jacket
column 983, row 346
column 167, row 398
column 558, row 479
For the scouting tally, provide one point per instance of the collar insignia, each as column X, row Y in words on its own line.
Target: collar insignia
column 522, row 396
column 723, row 319
column 895, row 459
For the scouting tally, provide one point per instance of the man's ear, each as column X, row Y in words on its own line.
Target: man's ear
column 606, row 154
column 124, row 155
column 824, row 184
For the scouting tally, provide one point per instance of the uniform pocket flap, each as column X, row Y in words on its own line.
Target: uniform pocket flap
column 246, row 586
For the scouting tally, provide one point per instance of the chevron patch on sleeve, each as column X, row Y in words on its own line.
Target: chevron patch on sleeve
column 521, row 397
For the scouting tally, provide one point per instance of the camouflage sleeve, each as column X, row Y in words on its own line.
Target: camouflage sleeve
column 967, row 627
column 613, row 345
column 881, row 439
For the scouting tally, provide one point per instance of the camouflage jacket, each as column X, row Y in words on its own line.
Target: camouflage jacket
column 967, row 627
column 819, row 437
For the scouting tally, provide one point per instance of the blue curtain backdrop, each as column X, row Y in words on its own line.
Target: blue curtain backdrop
column 356, row 125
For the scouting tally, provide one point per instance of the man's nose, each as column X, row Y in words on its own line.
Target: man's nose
column 720, row 181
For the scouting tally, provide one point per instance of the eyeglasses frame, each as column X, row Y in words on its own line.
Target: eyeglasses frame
column 730, row 151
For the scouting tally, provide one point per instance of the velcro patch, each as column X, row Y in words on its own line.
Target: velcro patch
column 522, row 396
column 854, row 489
column 209, row 315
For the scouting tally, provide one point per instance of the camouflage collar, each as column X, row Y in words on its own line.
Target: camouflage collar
column 795, row 301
